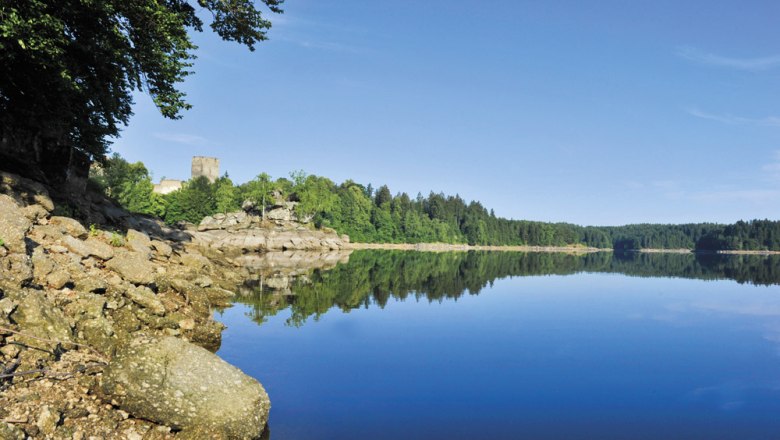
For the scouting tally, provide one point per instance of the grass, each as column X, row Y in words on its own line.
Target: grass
column 117, row 240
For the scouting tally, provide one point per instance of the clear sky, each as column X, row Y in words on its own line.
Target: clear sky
column 599, row 113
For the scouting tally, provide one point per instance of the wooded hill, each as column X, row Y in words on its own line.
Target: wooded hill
column 377, row 216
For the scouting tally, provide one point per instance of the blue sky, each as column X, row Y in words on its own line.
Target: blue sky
column 599, row 113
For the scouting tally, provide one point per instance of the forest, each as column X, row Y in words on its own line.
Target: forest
column 375, row 215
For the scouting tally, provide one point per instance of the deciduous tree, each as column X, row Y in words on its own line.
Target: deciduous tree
column 68, row 69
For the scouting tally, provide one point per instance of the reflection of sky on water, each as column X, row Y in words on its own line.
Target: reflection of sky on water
column 581, row 356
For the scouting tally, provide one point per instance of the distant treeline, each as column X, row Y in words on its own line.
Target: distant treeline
column 376, row 215
column 374, row 277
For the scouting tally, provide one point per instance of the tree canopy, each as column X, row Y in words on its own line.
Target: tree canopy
column 378, row 216
column 68, row 68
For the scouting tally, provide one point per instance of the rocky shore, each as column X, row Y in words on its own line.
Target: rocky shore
column 247, row 232
column 107, row 332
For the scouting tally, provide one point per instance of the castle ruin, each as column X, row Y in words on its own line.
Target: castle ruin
column 207, row 167
column 202, row 166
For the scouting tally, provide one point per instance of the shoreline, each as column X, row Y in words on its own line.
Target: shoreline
column 446, row 247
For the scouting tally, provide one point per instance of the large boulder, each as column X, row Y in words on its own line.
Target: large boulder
column 181, row 385
column 69, row 226
column 133, row 267
column 25, row 191
column 13, row 225
column 90, row 248
column 139, row 242
column 144, row 297
column 15, row 270
column 37, row 316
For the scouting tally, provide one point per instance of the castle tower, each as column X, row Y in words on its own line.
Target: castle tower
column 207, row 167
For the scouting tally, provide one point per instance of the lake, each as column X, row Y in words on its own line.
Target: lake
column 497, row 345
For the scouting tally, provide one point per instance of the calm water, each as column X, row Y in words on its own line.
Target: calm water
column 396, row 345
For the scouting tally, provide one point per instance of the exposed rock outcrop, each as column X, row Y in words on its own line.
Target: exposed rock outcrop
column 71, row 298
column 244, row 232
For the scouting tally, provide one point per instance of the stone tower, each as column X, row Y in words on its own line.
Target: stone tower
column 207, row 167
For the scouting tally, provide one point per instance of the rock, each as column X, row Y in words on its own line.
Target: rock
column 133, row 267
column 195, row 261
column 98, row 249
column 58, row 279
column 248, row 206
column 203, row 281
column 69, row 226
column 7, row 306
column 279, row 215
column 162, row 248
column 76, row 246
column 220, row 297
column 231, row 221
column 38, row 316
column 144, row 297
column 10, row 351
column 48, row 420
column 91, row 283
column 178, row 384
column 139, row 242
column 267, row 239
column 58, row 249
column 15, row 270
column 45, row 233
column 42, row 265
column 10, row 432
column 88, row 305
column 97, row 333
column 35, row 212
column 25, row 191
column 13, row 225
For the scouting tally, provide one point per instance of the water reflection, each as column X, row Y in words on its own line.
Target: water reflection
column 310, row 284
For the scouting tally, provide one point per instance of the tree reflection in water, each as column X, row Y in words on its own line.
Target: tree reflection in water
column 365, row 278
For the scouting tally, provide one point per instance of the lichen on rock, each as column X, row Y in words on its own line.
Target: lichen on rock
column 186, row 387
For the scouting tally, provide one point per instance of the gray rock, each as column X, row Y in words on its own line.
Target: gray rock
column 58, row 279
column 97, row 333
column 144, row 297
column 10, row 432
column 91, row 283
column 76, row 246
column 35, row 212
column 15, row 270
column 139, row 242
column 7, row 306
column 48, row 420
column 231, row 221
column 162, row 248
column 133, row 267
column 25, row 191
column 184, row 386
column 279, row 215
column 13, row 225
column 44, row 233
column 88, row 305
column 43, row 265
column 92, row 247
column 99, row 249
column 38, row 316
column 195, row 261
column 69, row 226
